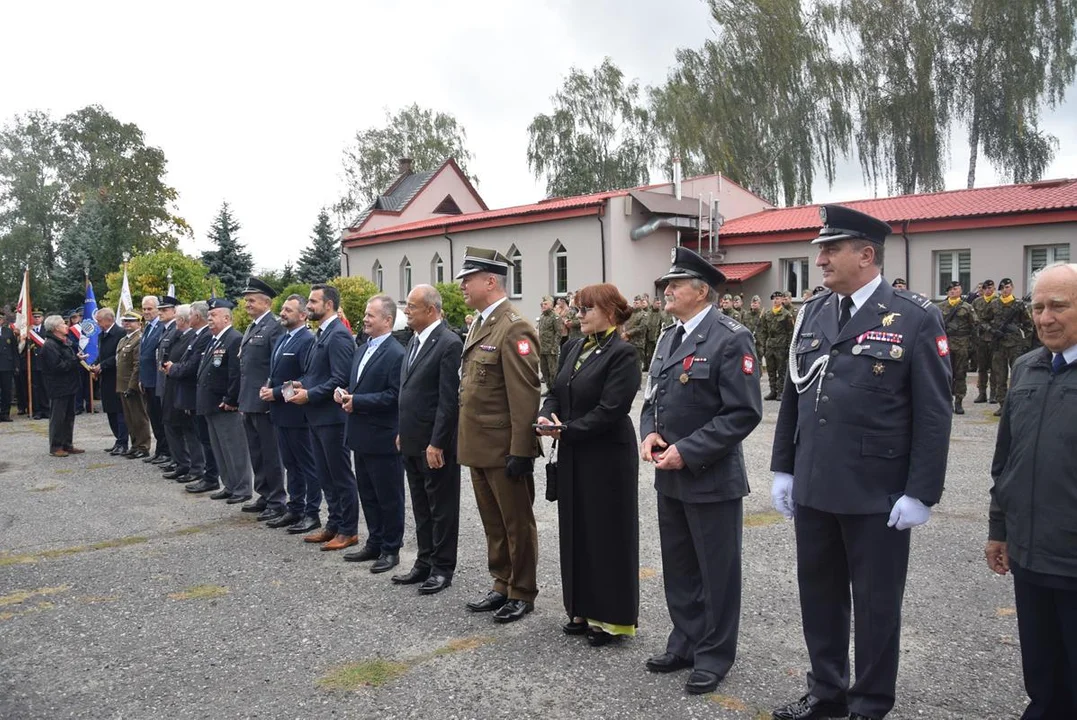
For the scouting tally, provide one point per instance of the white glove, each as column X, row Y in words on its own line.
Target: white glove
column 908, row 512
column 781, row 494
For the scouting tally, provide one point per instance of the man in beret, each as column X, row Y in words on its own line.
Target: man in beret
column 984, row 345
column 871, row 382
column 775, row 330
column 255, row 353
column 960, row 321
column 1011, row 334
column 899, row 284
column 701, row 400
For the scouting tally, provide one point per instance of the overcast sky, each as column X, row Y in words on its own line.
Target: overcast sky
column 253, row 103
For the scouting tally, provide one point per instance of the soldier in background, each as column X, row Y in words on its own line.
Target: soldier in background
column 726, row 304
column 1011, row 335
column 664, row 318
column 775, row 332
column 960, row 321
column 787, row 302
column 549, row 332
column 984, row 346
column 654, row 328
column 751, row 318
column 635, row 331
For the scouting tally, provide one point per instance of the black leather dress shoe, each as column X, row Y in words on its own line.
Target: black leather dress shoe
column 118, row 450
column 167, row 468
column 162, row 460
column 304, row 525
column 415, row 575
column 574, row 628
column 111, row 448
column 201, row 486
column 363, row 554
column 188, row 479
column 435, row 584
column 858, row 716
column 810, row 707
column 493, row 600
column 221, row 494
column 257, row 506
column 137, row 454
column 667, row 662
column 385, row 563
column 237, row 499
column 598, row 638
column 175, row 473
column 701, row 682
column 288, row 518
column 513, row 610
column 152, row 460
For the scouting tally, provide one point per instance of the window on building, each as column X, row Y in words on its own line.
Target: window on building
column 795, row 276
column 1037, row 258
column 405, row 276
column 560, row 269
column 516, row 273
column 437, row 269
column 952, row 265
column 378, row 276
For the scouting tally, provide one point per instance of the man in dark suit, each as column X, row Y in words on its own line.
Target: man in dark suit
column 147, row 373
column 702, row 399
column 9, row 361
column 187, row 458
column 218, row 403
column 429, row 414
column 105, row 369
column 870, row 382
column 290, row 422
column 371, row 428
column 166, row 309
column 40, row 393
column 183, row 370
column 254, row 358
column 327, row 369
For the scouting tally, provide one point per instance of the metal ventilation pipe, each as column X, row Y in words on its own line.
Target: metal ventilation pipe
column 655, row 224
column 677, row 178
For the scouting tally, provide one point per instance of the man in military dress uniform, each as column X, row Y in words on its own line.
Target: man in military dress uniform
column 960, row 322
column 775, row 330
column 984, row 346
column 1010, row 328
column 499, row 399
column 549, row 331
column 859, row 456
column 701, row 400
column 127, row 374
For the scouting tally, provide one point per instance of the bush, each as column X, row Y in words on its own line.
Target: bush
column 294, row 289
column 452, row 304
column 355, row 291
column 148, row 275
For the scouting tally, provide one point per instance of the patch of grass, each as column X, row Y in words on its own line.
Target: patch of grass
column 760, row 519
column 200, row 592
column 461, row 644
column 36, row 608
column 20, row 596
column 370, row 673
column 729, row 702
column 1005, row 612
column 44, row 488
column 646, row 573
column 100, row 466
column 65, row 471
column 23, row 558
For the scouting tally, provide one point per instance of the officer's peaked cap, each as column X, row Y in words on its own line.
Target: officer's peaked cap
column 260, row 287
column 840, row 222
column 167, row 301
column 483, row 260
column 215, row 303
column 690, row 265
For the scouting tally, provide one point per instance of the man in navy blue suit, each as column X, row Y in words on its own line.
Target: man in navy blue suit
column 373, row 422
column 290, row 422
column 147, row 375
column 326, row 369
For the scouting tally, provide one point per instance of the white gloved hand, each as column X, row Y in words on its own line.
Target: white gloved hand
column 908, row 512
column 781, row 494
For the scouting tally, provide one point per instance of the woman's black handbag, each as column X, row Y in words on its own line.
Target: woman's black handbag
column 551, row 475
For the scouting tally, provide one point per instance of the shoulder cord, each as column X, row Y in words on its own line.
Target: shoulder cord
column 817, row 369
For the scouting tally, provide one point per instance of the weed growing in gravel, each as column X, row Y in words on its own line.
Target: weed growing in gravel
column 200, row 592
column 372, row 673
column 23, row 558
column 20, row 596
column 760, row 519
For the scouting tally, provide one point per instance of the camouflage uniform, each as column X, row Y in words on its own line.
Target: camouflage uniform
column 983, row 348
column 1011, row 334
column 775, row 334
column 961, row 323
column 549, row 345
column 636, row 333
column 654, row 328
column 572, row 320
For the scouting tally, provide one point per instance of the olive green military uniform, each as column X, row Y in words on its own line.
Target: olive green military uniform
column 775, row 333
column 572, row 321
column 1011, row 335
column 134, row 408
column 654, row 329
column 733, row 313
column 549, row 333
column 499, row 400
column 636, row 333
column 983, row 348
column 961, row 322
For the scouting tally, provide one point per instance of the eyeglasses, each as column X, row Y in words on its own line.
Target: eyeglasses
column 583, row 310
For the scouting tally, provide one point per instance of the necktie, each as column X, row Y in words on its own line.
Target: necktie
column 414, row 353
column 280, row 349
column 846, row 311
column 678, row 337
column 476, row 325
column 1058, row 363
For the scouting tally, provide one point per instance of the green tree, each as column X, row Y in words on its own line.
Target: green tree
column 764, row 103
column 1012, row 59
column 355, row 291
column 148, row 275
column 598, row 137
column 370, row 163
column 320, row 261
column 287, row 276
column 230, row 262
column 87, row 244
column 301, row 289
column 453, row 306
column 19, row 247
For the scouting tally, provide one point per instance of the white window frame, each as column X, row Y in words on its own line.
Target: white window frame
column 437, row 269
column 955, row 270
column 795, row 264
column 1052, row 253
column 558, row 256
column 516, row 273
column 406, row 276
column 377, row 274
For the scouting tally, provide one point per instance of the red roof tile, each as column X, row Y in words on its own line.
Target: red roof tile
column 739, row 272
column 978, row 202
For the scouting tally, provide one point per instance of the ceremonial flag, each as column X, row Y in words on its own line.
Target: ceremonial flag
column 23, row 310
column 88, row 339
column 171, row 289
column 126, row 304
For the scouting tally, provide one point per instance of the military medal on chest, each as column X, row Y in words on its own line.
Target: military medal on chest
column 687, row 365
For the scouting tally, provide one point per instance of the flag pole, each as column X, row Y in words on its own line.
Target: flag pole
column 86, row 272
column 29, row 314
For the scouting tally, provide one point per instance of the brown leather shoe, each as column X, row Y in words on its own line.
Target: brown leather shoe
column 341, row 541
column 321, row 536
column 59, row 453
column 75, row 451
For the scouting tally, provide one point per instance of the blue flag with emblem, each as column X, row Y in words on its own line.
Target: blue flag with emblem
column 90, row 331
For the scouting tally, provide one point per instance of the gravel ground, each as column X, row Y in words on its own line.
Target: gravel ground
column 121, row 596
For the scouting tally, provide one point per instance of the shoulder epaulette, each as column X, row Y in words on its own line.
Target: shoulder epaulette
column 813, row 298
column 729, row 322
column 915, row 298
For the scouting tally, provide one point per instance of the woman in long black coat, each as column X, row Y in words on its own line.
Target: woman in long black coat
column 598, row 469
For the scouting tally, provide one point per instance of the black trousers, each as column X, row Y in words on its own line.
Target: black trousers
column 331, row 458
column 153, row 409
column 1047, row 623
column 62, row 423
column 304, row 490
column 7, row 381
column 435, row 502
column 380, row 482
column 118, row 427
column 834, row 551
column 21, row 391
column 265, row 459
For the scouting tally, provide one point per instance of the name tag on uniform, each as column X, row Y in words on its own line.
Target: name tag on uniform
column 488, row 348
